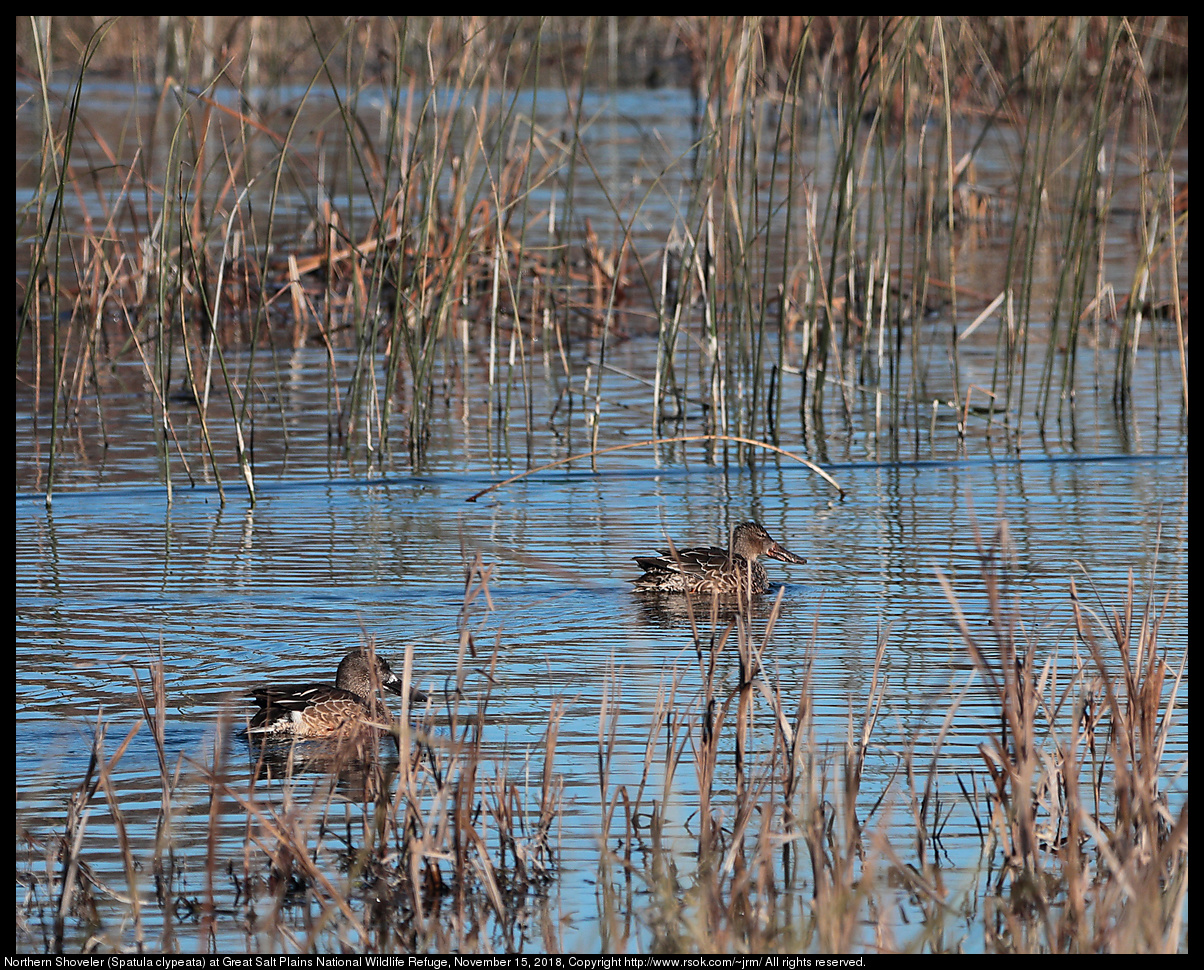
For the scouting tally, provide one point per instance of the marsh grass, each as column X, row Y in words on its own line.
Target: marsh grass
column 440, row 243
column 425, row 232
column 390, row 192
column 743, row 833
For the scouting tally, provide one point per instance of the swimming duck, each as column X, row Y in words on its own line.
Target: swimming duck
column 710, row 569
column 322, row 710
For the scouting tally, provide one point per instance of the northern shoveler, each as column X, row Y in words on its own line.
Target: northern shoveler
column 709, row 569
column 320, row 710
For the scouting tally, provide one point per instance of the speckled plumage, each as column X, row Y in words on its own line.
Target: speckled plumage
column 710, row 569
column 323, row 710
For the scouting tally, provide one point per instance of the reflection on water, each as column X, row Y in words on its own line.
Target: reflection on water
column 668, row 610
column 357, row 777
column 276, row 592
column 333, row 553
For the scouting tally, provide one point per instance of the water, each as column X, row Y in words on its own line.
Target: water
column 238, row 596
column 338, row 548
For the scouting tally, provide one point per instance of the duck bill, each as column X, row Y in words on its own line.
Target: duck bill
column 785, row 555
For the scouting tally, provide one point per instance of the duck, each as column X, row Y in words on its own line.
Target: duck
column 325, row 710
column 712, row 570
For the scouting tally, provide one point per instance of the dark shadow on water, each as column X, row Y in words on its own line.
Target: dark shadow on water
column 362, row 770
column 669, row 610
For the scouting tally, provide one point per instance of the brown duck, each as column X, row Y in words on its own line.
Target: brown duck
column 323, row 710
column 710, row 569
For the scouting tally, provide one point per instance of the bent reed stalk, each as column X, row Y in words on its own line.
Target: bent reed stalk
column 657, row 441
column 456, row 225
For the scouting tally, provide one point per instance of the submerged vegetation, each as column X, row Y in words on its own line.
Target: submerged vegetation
column 406, row 194
column 452, row 844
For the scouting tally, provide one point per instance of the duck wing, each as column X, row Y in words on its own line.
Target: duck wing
column 699, row 559
column 281, row 705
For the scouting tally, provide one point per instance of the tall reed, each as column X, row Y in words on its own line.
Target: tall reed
column 821, row 214
column 733, row 825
